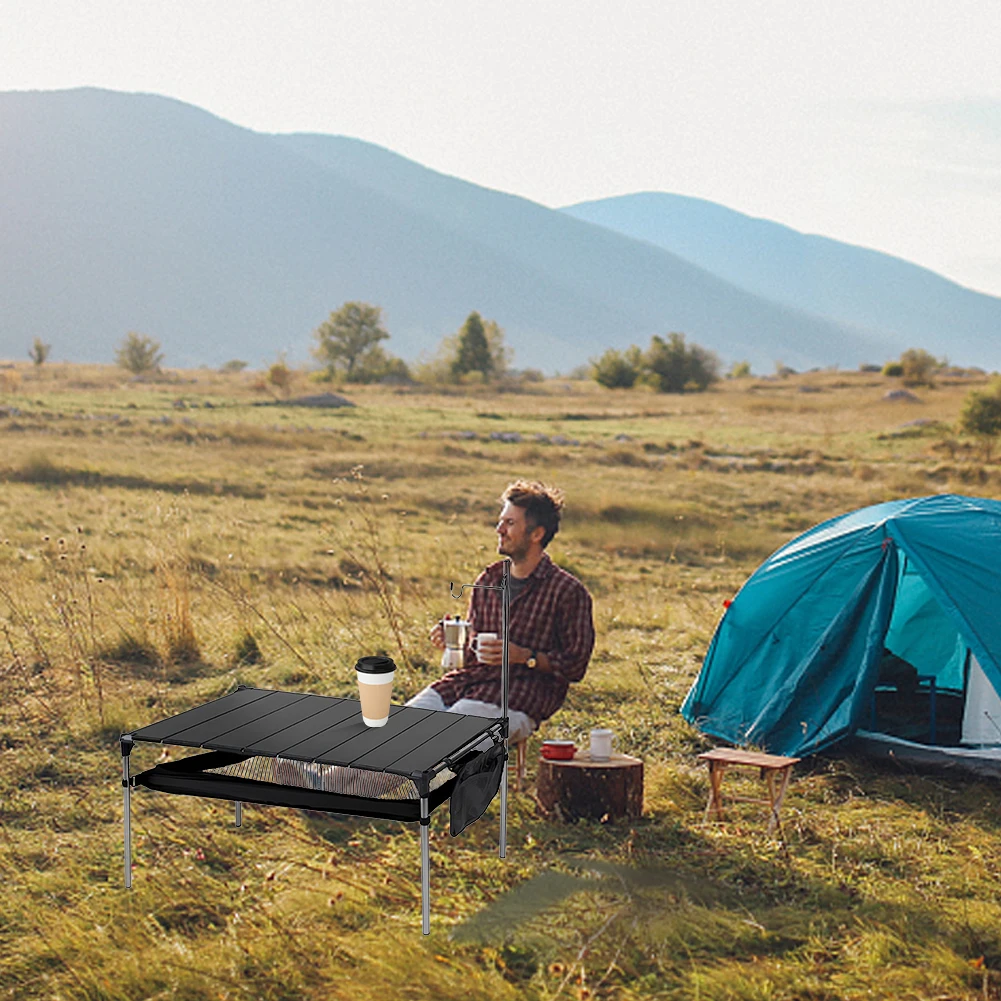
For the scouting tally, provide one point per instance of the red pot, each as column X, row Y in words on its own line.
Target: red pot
column 558, row 750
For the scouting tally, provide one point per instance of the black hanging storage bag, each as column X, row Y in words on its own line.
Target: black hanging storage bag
column 475, row 786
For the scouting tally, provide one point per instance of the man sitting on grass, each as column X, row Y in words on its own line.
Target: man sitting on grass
column 551, row 624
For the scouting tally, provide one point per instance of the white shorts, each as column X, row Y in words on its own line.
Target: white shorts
column 520, row 726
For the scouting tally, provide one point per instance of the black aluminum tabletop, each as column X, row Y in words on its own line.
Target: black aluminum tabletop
column 320, row 729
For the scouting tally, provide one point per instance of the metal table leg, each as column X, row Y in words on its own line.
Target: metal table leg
column 127, row 745
column 425, row 868
column 239, row 814
column 502, row 846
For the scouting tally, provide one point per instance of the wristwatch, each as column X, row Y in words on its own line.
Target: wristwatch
column 533, row 660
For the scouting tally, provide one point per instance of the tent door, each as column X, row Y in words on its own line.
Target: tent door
column 982, row 711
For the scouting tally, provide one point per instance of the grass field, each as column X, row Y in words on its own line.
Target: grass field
column 162, row 542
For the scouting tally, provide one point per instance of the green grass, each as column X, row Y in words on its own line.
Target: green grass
column 154, row 555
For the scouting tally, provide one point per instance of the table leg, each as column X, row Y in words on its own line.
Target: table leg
column 127, row 813
column 502, row 845
column 777, row 798
column 714, row 807
column 425, row 868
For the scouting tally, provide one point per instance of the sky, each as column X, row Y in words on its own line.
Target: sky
column 875, row 122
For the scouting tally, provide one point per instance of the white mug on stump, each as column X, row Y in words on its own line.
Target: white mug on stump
column 603, row 742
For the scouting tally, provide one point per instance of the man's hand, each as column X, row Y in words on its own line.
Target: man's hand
column 491, row 652
column 437, row 636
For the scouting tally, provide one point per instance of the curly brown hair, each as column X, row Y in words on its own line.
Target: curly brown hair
column 543, row 505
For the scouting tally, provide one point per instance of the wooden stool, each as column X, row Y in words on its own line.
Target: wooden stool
column 772, row 767
column 600, row 790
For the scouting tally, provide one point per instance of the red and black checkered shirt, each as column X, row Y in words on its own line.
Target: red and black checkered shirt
column 551, row 615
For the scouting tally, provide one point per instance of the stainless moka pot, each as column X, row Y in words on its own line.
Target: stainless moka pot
column 456, row 635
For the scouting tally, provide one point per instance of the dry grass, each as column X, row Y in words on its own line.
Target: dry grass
column 162, row 542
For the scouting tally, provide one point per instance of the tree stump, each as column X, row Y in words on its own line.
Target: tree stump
column 599, row 790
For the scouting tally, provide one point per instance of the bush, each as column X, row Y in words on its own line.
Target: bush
column 378, row 365
column 919, row 366
column 893, row 369
column 139, row 354
column 617, row 369
column 981, row 415
column 672, row 366
column 279, row 377
column 740, row 370
column 39, row 351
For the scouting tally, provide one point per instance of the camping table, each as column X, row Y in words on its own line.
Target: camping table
column 317, row 730
column 774, row 769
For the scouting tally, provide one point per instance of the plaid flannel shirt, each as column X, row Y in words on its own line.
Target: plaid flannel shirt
column 551, row 615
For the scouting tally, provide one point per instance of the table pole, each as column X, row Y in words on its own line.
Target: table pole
column 126, row 745
column 425, row 868
column 505, row 626
column 239, row 814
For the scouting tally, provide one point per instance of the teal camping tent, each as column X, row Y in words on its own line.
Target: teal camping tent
column 884, row 624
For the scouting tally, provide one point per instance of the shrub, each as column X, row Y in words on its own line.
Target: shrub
column 672, row 366
column 919, row 366
column 617, row 369
column 279, row 377
column 39, row 351
column 981, row 415
column 139, row 354
column 893, row 369
column 740, row 370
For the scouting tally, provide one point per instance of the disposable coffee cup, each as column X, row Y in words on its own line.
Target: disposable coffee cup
column 375, row 688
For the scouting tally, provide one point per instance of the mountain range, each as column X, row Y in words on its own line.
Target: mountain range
column 852, row 285
column 137, row 212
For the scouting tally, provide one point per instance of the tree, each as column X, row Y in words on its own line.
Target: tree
column 672, row 366
column 981, row 415
column 472, row 349
column 139, row 354
column 500, row 354
column 39, row 351
column 618, row 369
column 347, row 337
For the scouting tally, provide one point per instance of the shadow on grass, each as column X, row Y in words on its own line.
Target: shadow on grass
column 42, row 471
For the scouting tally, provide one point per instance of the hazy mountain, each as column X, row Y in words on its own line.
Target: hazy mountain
column 125, row 211
column 845, row 283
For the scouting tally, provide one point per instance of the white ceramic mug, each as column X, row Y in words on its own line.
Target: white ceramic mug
column 482, row 636
column 603, row 743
